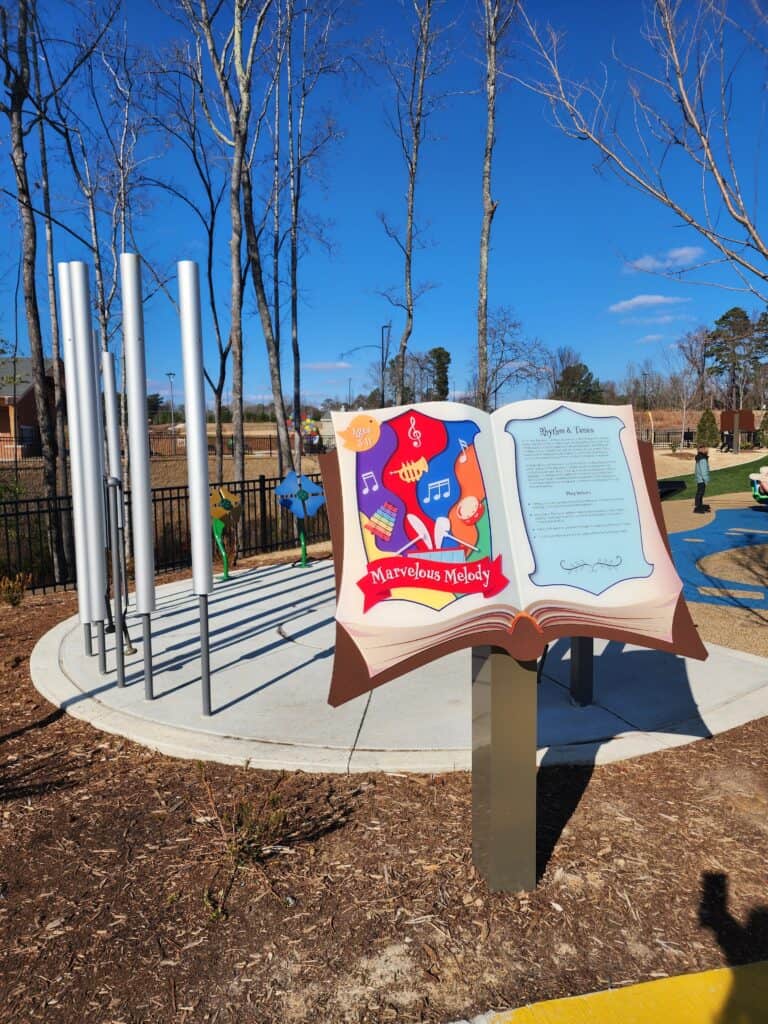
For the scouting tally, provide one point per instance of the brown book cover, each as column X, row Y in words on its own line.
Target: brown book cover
column 452, row 528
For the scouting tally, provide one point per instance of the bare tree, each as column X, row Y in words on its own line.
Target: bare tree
column 23, row 107
column 232, row 48
column 58, row 383
column 412, row 75
column 693, row 349
column 558, row 361
column 100, row 140
column 315, row 60
column 677, row 146
column 682, row 383
column 179, row 117
column 17, row 37
column 498, row 16
column 513, row 360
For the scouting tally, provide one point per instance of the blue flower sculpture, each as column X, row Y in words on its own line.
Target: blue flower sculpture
column 300, row 496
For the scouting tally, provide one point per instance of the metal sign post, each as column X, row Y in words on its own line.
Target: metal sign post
column 504, row 769
column 582, row 680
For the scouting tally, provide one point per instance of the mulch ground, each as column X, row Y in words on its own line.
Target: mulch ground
column 136, row 888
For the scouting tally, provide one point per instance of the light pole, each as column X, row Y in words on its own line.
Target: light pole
column 383, row 357
column 644, row 375
column 349, row 393
column 170, row 375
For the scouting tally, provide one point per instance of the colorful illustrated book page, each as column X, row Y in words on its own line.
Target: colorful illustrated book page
column 458, row 524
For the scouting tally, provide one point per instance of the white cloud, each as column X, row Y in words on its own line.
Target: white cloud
column 673, row 259
column 328, row 366
column 648, row 338
column 258, row 397
column 661, row 318
column 643, row 301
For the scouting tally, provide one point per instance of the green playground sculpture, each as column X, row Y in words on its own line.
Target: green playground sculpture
column 302, row 498
column 225, row 515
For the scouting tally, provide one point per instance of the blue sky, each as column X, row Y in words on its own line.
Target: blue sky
column 561, row 238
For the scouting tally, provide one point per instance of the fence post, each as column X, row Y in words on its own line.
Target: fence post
column 263, row 511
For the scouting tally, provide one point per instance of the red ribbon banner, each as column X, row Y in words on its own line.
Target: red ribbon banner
column 482, row 577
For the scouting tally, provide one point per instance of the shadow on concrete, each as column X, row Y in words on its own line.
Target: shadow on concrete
column 742, row 944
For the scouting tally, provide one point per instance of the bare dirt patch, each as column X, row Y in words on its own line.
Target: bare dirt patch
column 681, row 463
column 137, row 888
column 748, row 564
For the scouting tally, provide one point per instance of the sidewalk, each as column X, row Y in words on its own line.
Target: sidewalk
column 272, row 634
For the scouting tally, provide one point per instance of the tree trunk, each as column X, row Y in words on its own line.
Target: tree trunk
column 217, row 409
column 408, row 273
column 58, row 383
column 101, row 302
column 218, row 389
column 238, row 173
column 489, row 206
column 34, row 333
column 273, row 355
column 294, row 177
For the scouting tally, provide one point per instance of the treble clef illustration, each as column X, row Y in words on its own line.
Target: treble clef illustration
column 414, row 434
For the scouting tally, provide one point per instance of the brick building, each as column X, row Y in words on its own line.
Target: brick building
column 19, row 430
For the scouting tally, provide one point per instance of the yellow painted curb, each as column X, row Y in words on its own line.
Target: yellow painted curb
column 728, row 996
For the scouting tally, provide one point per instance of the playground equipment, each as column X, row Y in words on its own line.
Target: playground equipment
column 142, row 532
column 225, row 515
column 97, row 493
column 301, row 498
column 197, row 457
column 759, row 480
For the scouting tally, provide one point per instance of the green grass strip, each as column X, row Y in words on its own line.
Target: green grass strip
column 732, row 480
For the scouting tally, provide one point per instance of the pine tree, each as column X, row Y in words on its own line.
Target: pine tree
column 440, row 362
column 707, row 432
column 731, row 346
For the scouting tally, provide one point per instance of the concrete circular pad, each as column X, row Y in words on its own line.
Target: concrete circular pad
column 272, row 636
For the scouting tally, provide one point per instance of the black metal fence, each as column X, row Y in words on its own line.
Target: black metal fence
column 687, row 439
column 29, row 528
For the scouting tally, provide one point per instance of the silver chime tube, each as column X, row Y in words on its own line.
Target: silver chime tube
column 142, row 525
column 197, row 455
column 92, row 442
column 114, row 462
column 75, row 451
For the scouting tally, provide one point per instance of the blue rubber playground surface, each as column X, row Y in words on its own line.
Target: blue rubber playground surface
column 730, row 529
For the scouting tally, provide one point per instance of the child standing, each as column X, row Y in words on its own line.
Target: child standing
column 702, row 478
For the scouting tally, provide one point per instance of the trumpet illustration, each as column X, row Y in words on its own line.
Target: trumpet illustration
column 411, row 472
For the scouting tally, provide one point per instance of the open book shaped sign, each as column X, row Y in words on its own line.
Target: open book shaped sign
column 453, row 528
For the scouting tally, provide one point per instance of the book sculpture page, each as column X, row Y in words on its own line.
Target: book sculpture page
column 460, row 528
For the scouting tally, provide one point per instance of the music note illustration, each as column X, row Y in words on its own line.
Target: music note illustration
column 369, row 479
column 414, row 434
column 438, row 489
column 463, row 445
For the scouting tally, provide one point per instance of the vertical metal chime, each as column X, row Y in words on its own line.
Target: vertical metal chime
column 142, row 526
column 197, row 457
column 91, row 437
column 115, row 506
column 75, row 457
